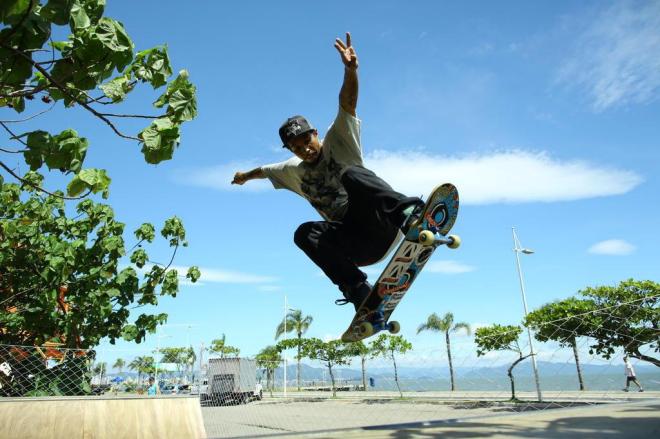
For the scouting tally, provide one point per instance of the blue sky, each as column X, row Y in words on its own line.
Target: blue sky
column 543, row 114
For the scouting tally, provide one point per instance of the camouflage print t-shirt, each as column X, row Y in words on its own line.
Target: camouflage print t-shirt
column 320, row 183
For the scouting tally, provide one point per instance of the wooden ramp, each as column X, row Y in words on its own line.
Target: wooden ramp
column 176, row 417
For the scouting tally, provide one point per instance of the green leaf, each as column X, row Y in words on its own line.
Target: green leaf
column 11, row 11
column 94, row 9
column 139, row 258
column 180, row 96
column 193, row 274
column 79, row 18
column 57, row 11
column 159, row 141
column 61, row 46
column 153, row 66
column 94, row 179
column 116, row 89
column 146, row 232
column 65, row 151
column 38, row 144
column 113, row 36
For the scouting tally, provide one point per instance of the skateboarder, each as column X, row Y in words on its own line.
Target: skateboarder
column 362, row 213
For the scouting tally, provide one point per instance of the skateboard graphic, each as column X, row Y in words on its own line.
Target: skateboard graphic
column 423, row 237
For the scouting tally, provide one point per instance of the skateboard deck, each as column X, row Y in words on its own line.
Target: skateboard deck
column 422, row 239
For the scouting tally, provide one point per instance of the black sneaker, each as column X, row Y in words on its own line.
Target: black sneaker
column 355, row 295
column 411, row 214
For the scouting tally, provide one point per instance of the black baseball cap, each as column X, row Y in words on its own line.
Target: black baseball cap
column 293, row 127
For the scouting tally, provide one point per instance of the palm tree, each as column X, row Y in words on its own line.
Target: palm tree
column 295, row 322
column 142, row 365
column 100, row 369
column 446, row 325
column 119, row 364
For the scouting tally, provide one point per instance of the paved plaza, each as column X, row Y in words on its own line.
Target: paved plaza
column 383, row 415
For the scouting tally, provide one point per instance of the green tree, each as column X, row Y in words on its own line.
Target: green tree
column 182, row 357
column 295, row 322
column 269, row 358
column 625, row 316
column 59, row 276
column 220, row 347
column 500, row 338
column 143, row 365
column 386, row 346
column 331, row 353
column 98, row 56
column 562, row 321
column 446, row 325
column 359, row 349
column 119, row 364
column 100, row 369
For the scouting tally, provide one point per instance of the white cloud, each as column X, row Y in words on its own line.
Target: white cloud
column 513, row 176
column 447, row 267
column 219, row 177
column 617, row 58
column 612, row 247
column 227, row 276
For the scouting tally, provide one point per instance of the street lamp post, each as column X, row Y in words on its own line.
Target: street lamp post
column 519, row 249
column 286, row 308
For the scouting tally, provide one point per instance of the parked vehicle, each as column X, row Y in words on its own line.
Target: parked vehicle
column 231, row 381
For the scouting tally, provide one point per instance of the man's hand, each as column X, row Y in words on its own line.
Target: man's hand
column 347, row 52
column 239, row 178
column 242, row 177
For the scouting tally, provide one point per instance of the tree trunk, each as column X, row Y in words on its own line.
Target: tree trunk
column 510, row 373
column 332, row 380
column 298, row 357
column 451, row 366
column 364, row 374
column 577, row 363
column 396, row 376
column 271, row 376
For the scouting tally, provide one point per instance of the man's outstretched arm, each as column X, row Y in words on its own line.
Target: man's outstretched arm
column 242, row 177
column 348, row 94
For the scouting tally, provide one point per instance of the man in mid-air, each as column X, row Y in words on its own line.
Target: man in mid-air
column 362, row 213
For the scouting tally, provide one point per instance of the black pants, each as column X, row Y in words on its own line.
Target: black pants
column 365, row 233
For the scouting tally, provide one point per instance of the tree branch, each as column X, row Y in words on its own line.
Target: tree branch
column 29, row 118
column 13, row 136
column 65, row 90
column 40, row 189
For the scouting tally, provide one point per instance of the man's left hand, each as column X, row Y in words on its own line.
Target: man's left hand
column 347, row 52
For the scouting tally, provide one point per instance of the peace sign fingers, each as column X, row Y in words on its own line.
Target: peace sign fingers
column 347, row 52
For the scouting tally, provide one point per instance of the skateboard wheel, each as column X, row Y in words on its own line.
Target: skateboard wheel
column 455, row 241
column 393, row 327
column 366, row 329
column 426, row 237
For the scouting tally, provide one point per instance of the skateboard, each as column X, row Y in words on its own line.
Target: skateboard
column 423, row 238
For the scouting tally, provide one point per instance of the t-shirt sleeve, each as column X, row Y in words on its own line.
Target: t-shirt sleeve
column 344, row 135
column 283, row 175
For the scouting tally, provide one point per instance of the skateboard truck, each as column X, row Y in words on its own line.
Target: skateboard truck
column 427, row 237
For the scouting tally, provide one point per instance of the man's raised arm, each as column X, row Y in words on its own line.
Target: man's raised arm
column 348, row 94
column 242, row 177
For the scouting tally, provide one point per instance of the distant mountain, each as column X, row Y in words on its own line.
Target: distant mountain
column 308, row 372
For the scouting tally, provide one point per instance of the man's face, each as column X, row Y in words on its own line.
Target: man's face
column 306, row 146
